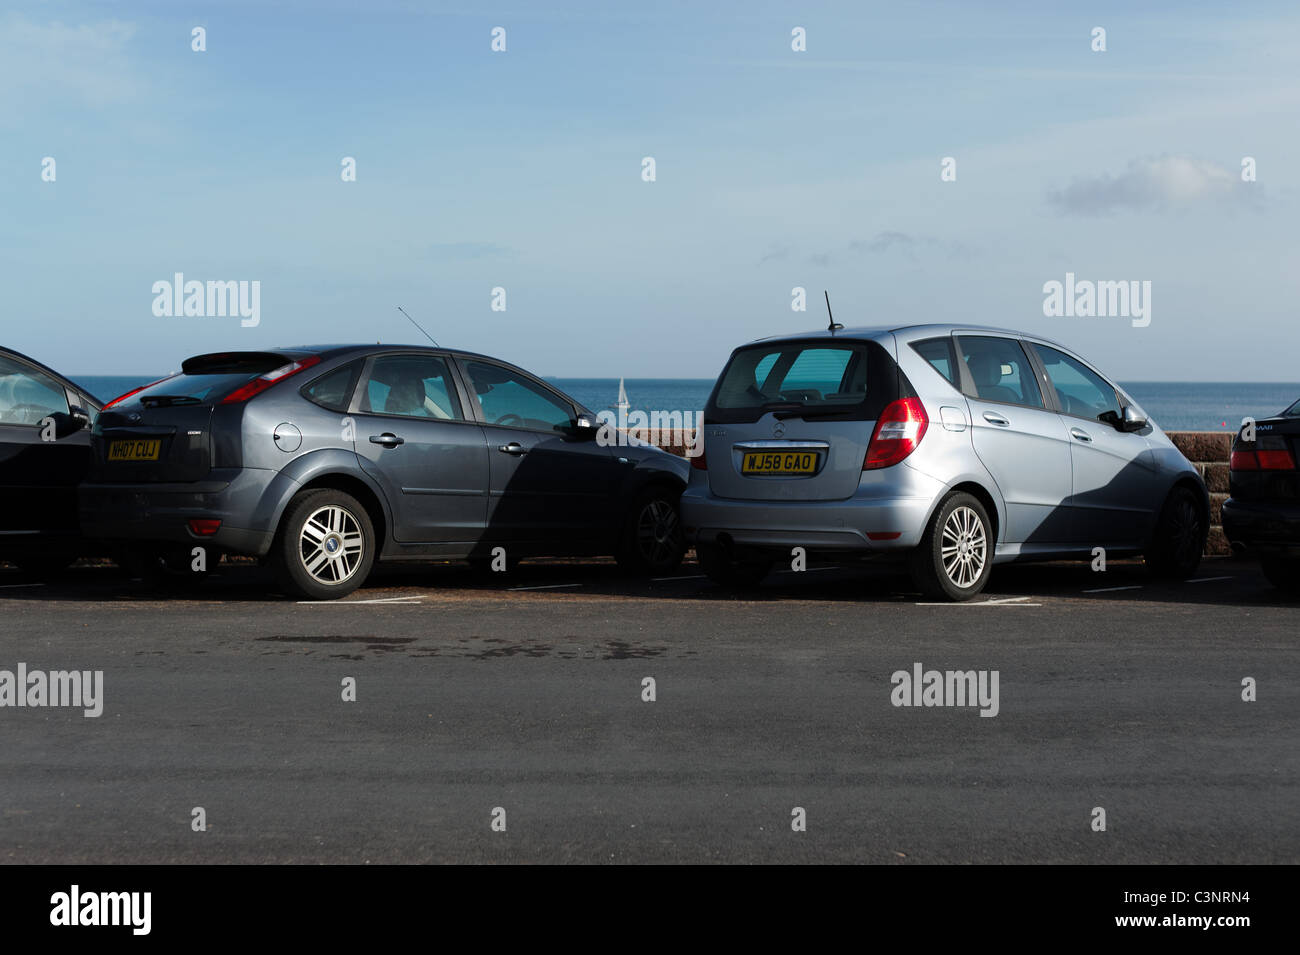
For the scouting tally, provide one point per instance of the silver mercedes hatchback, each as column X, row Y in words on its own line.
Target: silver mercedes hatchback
column 952, row 448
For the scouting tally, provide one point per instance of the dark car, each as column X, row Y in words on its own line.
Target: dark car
column 1262, row 516
column 324, row 459
column 44, row 454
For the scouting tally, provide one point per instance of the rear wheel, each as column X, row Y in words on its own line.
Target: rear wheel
column 652, row 540
column 325, row 546
column 1282, row 573
column 955, row 557
column 725, row 571
column 1179, row 538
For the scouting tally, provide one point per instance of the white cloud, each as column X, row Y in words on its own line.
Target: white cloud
column 1154, row 183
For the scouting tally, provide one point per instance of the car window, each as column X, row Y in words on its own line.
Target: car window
column 1079, row 390
column 333, row 389
column 27, row 395
column 938, row 352
column 414, row 386
column 814, row 376
column 512, row 400
column 999, row 370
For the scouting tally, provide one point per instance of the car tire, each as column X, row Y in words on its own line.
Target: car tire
column 1282, row 573
column 1179, row 538
column 325, row 546
column 955, row 556
column 651, row 541
column 725, row 571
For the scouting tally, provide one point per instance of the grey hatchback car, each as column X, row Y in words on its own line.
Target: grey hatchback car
column 324, row 459
column 952, row 448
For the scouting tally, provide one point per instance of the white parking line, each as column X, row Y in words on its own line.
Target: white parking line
column 689, row 577
column 546, row 587
column 1206, row 580
column 1107, row 590
column 349, row 603
column 996, row 602
column 12, row 586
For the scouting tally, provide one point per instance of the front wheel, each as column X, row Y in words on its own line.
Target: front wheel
column 325, row 546
column 955, row 557
column 652, row 541
column 1179, row 537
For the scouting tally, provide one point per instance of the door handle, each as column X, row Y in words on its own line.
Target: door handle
column 1080, row 434
column 996, row 419
column 387, row 439
column 514, row 447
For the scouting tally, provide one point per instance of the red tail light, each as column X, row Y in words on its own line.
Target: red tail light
column 898, row 432
column 262, row 382
column 136, row 391
column 204, row 526
column 1266, row 454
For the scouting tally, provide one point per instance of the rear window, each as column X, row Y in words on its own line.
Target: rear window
column 333, row 389
column 209, row 378
column 938, row 352
column 850, row 380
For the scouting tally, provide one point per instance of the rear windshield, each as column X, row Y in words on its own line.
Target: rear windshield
column 208, row 379
column 848, row 380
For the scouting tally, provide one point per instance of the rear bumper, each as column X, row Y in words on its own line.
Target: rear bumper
column 162, row 512
column 1264, row 529
column 863, row 524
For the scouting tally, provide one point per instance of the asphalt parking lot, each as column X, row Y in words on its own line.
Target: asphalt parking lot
column 524, row 693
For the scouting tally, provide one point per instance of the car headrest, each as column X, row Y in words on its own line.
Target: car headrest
column 985, row 369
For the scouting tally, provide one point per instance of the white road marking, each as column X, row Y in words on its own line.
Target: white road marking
column 546, row 587
column 996, row 602
column 376, row 600
column 1107, row 590
column 12, row 586
column 689, row 577
column 1206, row 580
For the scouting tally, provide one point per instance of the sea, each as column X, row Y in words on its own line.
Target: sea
column 1174, row 405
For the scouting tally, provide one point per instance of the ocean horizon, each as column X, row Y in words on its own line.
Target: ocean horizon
column 1174, row 405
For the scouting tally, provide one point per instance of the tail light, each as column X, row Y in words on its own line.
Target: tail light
column 1265, row 454
column 699, row 463
column 204, row 526
column 262, row 382
column 898, row 432
column 136, row 391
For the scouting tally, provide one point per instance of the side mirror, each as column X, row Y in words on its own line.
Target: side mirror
column 66, row 424
column 1132, row 420
column 584, row 428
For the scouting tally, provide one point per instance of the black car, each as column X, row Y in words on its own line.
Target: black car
column 44, row 454
column 1262, row 517
column 324, row 459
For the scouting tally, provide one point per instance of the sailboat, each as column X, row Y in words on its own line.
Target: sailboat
column 623, row 403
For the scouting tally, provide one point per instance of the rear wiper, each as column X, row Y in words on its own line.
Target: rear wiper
column 808, row 414
column 154, row 401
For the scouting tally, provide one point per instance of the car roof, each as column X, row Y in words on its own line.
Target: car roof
column 904, row 333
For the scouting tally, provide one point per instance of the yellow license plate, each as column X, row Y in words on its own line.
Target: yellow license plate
column 143, row 450
column 779, row 462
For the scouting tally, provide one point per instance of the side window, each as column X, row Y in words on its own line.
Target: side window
column 415, row 386
column 27, row 395
column 1000, row 370
column 333, row 390
column 938, row 352
column 1079, row 390
column 511, row 400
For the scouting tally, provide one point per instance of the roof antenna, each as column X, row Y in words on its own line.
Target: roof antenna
column 416, row 324
column 834, row 326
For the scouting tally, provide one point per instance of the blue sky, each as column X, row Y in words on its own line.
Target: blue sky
column 522, row 170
